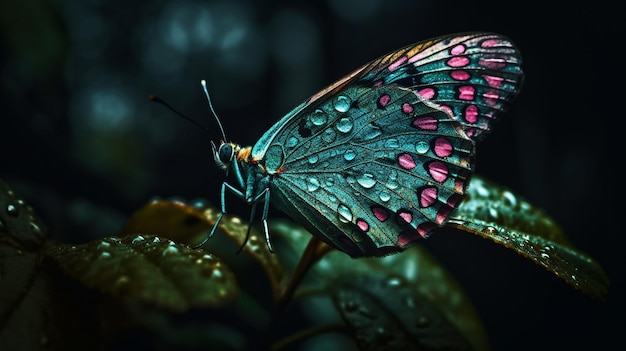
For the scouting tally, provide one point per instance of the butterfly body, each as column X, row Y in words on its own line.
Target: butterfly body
column 382, row 157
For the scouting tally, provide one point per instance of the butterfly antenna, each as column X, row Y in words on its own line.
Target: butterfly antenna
column 206, row 93
column 162, row 102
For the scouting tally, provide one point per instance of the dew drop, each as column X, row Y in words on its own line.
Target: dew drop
column 105, row 254
column 392, row 143
column 366, row 180
column 394, row 282
column 330, row 181
column 34, row 227
column 199, row 203
column 349, row 155
column 491, row 231
column 392, row 185
column 319, row 117
column 312, row 184
column 332, row 198
column 313, row 159
column 342, row 103
column 345, row 125
column 156, row 240
column 170, row 249
column 481, row 189
column 217, row 274
column 329, row 135
column 384, row 196
column 493, row 213
column 104, row 245
column 345, row 215
column 422, row 147
column 291, row 142
column 372, row 132
column 137, row 239
column 509, row 198
column 12, row 210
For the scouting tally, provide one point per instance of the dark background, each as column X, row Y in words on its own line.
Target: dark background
column 82, row 143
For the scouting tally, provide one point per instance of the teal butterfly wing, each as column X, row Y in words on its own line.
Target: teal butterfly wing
column 382, row 157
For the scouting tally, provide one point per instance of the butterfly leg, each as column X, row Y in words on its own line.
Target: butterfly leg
column 265, row 196
column 233, row 190
column 266, row 208
column 245, row 241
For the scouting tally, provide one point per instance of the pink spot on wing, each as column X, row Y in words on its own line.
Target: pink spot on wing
column 427, row 196
column 471, row 113
column 406, row 216
column 408, row 236
column 398, row 63
column 492, row 63
column 378, row 83
column 380, row 213
column 443, row 147
column 457, row 50
column 470, row 132
column 491, row 97
column 362, row 224
column 384, row 100
column 425, row 123
column 458, row 61
column 459, row 75
column 438, row 171
column 406, row 161
column 427, row 93
column 443, row 214
column 407, row 108
column 493, row 81
column 489, row 43
column 466, row 92
column 425, row 228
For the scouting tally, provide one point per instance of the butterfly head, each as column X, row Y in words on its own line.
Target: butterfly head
column 224, row 154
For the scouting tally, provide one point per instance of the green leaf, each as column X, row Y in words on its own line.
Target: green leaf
column 389, row 314
column 191, row 224
column 495, row 213
column 33, row 314
column 150, row 269
column 411, row 298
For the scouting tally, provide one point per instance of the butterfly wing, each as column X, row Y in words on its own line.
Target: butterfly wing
column 474, row 76
column 383, row 156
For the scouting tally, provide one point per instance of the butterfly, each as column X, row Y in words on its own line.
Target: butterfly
column 382, row 157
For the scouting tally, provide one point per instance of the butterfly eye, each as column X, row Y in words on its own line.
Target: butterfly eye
column 225, row 153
